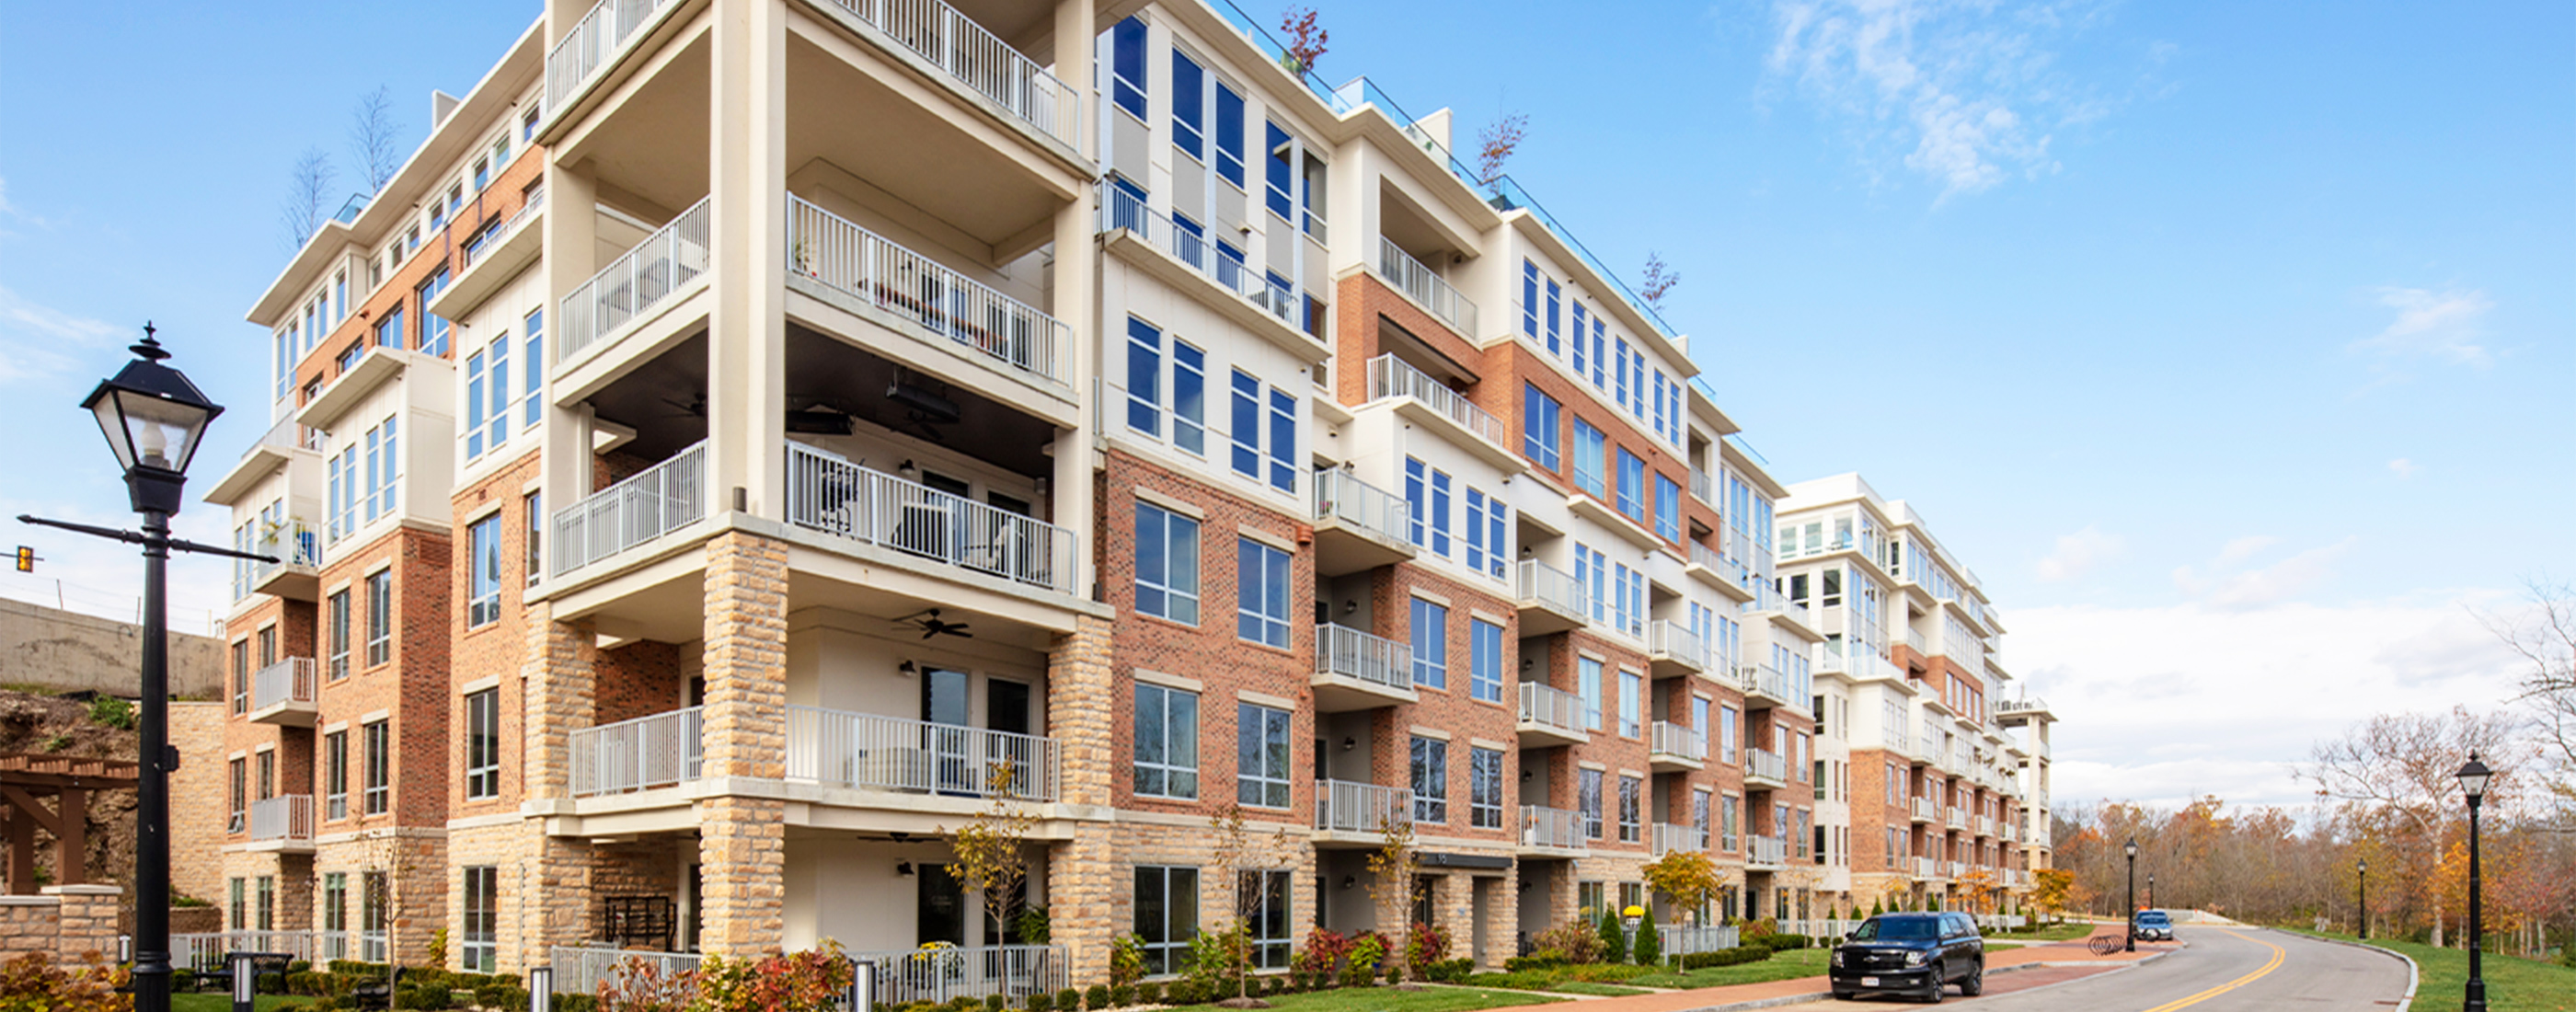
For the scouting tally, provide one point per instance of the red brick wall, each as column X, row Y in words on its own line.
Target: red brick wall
column 494, row 649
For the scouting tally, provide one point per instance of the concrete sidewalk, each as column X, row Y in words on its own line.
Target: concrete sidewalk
column 2070, row 955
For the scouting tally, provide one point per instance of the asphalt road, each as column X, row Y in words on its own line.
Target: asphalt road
column 2217, row 970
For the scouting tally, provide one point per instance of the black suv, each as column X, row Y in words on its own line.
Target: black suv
column 1919, row 954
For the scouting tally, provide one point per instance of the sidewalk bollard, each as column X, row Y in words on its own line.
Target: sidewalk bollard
column 541, row 989
column 245, row 979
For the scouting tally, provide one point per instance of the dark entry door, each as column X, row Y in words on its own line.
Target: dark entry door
column 946, row 710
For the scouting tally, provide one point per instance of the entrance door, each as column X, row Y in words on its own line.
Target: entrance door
column 946, row 710
column 1006, row 709
column 940, row 913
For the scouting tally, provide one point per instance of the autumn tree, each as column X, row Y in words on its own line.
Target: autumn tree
column 1495, row 144
column 1687, row 878
column 992, row 851
column 2396, row 777
column 1240, row 856
column 1391, row 869
column 1658, row 283
column 1306, row 39
column 2051, row 890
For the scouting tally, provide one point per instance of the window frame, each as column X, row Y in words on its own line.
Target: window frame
column 1265, row 756
column 1484, row 788
column 1170, row 768
column 1428, row 775
column 1263, row 577
column 483, row 744
column 1160, row 593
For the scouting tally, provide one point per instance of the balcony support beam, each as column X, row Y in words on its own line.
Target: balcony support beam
column 747, row 339
column 1076, row 291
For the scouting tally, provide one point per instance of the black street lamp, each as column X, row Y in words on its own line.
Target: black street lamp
column 154, row 419
column 2361, row 896
column 2132, row 913
column 2473, row 782
column 2151, row 890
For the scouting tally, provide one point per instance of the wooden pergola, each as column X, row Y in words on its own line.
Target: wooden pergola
column 24, row 779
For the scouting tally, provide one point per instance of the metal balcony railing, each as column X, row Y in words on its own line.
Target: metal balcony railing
column 1341, row 650
column 866, row 750
column 1727, row 569
column 1666, row 838
column 284, row 817
column 631, row 285
column 1985, row 825
column 832, row 495
column 942, row 975
column 1423, row 286
column 580, row 969
column 1542, row 826
column 1672, row 640
column 1766, row 850
column 1664, row 737
column 1124, row 210
column 295, row 544
column 632, row 755
column 1765, row 764
column 491, row 239
column 1543, row 584
column 290, row 680
column 1342, row 498
column 1924, row 809
column 1958, row 818
column 659, row 499
column 838, row 253
column 594, row 42
column 1345, row 807
column 1551, row 707
column 980, row 60
column 1702, row 488
column 1922, row 867
column 1390, row 376
column 1764, row 679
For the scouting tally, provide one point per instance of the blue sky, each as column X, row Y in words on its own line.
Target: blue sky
column 2229, row 343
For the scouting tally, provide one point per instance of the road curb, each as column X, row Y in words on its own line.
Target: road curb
column 1777, row 1001
column 2413, row 975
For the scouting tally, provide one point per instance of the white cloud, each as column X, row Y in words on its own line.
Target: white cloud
column 2079, row 552
column 2261, row 585
column 2403, row 468
column 2444, row 326
column 2244, row 548
column 34, row 339
column 2161, row 704
column 1967, row 89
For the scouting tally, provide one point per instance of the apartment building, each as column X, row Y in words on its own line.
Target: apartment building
column 747, row 433
column 1926, row 784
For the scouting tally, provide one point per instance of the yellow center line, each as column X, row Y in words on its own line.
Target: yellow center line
column 2278, row 955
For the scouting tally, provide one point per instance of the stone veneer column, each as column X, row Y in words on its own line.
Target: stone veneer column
column 1455, row 912
column 742, row 842
column 1083, row 873
column 88, row 919
column 552, row 884
column 1502, row 922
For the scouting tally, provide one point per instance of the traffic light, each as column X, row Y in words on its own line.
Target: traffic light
column 26, row 559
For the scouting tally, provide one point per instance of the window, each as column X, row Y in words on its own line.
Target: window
column 532, row 369
column 1264, row 897
column 338, row 635
column 483, row 560
column 1430, row 629
column 1632, row 486
column 240, row 771
column 267, row 760
column 384, row 467
column 1280, row 172
column 1632, row 699
column 1229, row 135
column 483, row 744
column 482, row 173
column 1630, row 608
column 1589, row 678
column 1430, row 780
column 487, row 398
column 1144, row 377
column 1629, row 803
column 482, row 918
column 1486, row 549
column 1283, row 440
column 528, row 122
column 241, row 676
column 335, row 915
column 1576, row 331
column 1261, row 597
column 1127, row 66
column 1668, row 509
column 1587, row 801
column 1529, row 302
column 1167, row 916
column 433, row 328
column 1189, row 397
column 1189, row 111
column 1726, row 725
column 532, row 506
column 240, row 909
column 1699, row 723
column 1261, row 756
column 374, row 894
column 389, row 330
column 1588, row 448
column 1167, row 564
column 379, row 742
column 1246, row 424
column 1588, row 900
column 335, row 775
column 266, row 888
column 1540, row 416
column 1426, row 494
column 380, row 616
column 1484, row 660
column 1485, row 788
column 1167, row 742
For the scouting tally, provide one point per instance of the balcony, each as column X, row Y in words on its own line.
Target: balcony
column 1429, row 402
column 1342, row 806
column 1702, row 488
column 1766, row 852
column 296, row 575
column 1716, row 570
column 1958, row 869
column 1763, row 686
column 930, row 301
column 1550, row 599
column 922, row 525
column 1922, row 647
column 630, row 287
column 1667, row 838
column 661, row 750
column 282, row 693
column 1552, row 832
column 1674, row 649
column 491, row 258
column 1360, row 671
column 1923, row 810
column 1358, row 526
column 1674, row 748
column 1425, row 288
column 977, row 61
column 1985, row 825
column 626, row 516
column 594, row 43
column 283, row 823
column 2010, row 833
column 1957, row 817
column 1765, row 769
column 1923, row 867
column 866, row 751
column 1183, row 257
column 1550, row 716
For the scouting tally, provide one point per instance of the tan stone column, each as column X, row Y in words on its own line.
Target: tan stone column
column 88, row 919
column 742, row 842
column 1502, row 922
column 1084, row 874
column 550, row 888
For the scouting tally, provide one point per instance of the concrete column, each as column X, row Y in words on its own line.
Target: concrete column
column 747, row 179
column 1077, row 301
column 571, row 243
column 742, row 843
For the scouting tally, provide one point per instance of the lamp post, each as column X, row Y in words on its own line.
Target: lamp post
column 2361, row 896
column 2473, row 782
column 154, row 419
column 2151, row 890
column 2131, row 915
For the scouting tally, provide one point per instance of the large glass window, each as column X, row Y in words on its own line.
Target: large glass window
column 1272, row 932
column 1229, row 135
column 1430, row 629
column 1587, row 801
column 335, row 915
column 1589, row 445
column 1280, row 172
column 1261, row 768
column 1632, row 486
column 483, row 559
column 1588, row 675
column 483, row 744
column 335, row 775
column 1189, row 111
column 1144, row 377
column 1631, row 800
column 337, row 616
column 1167, row 916
column 482, row 909
column 532, row 368
column 1167, row 564
column 240, row 770
column 1540, row 417
column 1430, row 780
column 1167, row 742
column 1261, row 595
column 1668, row 509
column 375, row 896
column 1485, row 788
column 1632, row 704
column 1189, row 397
column 1484, row 660
column 433, row 327
column 1487, row 550
column 380, row 616
column 1127, row 66
column 379, row 742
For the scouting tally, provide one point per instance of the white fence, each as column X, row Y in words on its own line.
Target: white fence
column 1542, row 826
column 1341, row 650
column 839, row 254
column 205, row 950
column 979, row 60
column 284, row 817
column 1390, row 376
column 631, row 755
column 290, row 680
column 1685, row 939
column 634, row 283
column 894, row 754
column 944, row 973
column 580, row 969
column 830, row 494
column 655, row 501
column 1413, row 279
column 1345, row 807
column 1551, row 707
column 1350, row 502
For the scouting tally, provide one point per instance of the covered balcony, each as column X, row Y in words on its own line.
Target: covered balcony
column 1764, row 687
column 1434, row 405
column 282, row 693
column 1675, row 748
column 1765, row 769
column 1553, row 832
column 1426, row 288
column 1668, row 838
column 931, row 527
column 1921, row 809
column 1550, row 716
column 1715, row 569
column 828, row 748
column 1674, row 649
column 1550, row 600
column 1358, row 526
column 1356, row 670
column 296, row 544
column 1766, row 853
column 282, row 823
column 1347, row 812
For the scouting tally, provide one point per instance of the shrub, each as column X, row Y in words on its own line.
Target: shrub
column 576, row 1003
column 1323, row 953
column 1149, row 993
column 33, row 981
column 1784, row 943
column 270, row 983
column 112, row 712
column 1538, row 959
column 965, row 1003
column 1424, row 945
column 424, row 998
column 1122, row 996
column 1041, row 1002
column 1650, row 941
column 1095, row 999
column 1068, row 999
column 1726, row 957
column 501, row 995
column 183, row 980
column 994, row 1002
column 1580, row 942
column 1614, row 940
column 1453, row 971
column 1605, row 973
column 1126, row 960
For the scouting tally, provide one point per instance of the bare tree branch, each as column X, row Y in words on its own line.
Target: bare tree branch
column 371, row 137
column 308, row 195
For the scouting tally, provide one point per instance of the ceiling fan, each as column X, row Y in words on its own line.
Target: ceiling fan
column 931, row 625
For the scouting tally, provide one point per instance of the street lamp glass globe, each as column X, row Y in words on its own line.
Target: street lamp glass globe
column 152, row 416
column 2473, row 777
column 2132, row 847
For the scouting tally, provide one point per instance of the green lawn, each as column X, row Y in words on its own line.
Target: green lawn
column 1588, row 987
column 2514, row 984
column 219, row 1001
column 1810, row 962
column 1387, row 999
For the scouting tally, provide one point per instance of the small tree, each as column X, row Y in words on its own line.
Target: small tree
column 1391, row 870
column 1659, row 282
column 1495, row 144
column 1239, row 857
column 371, row 137
column 1614, row 942
column 1306, row 39
column 308, row 195
column 1650, row 942
column 1687, row 878
column 992, row 850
